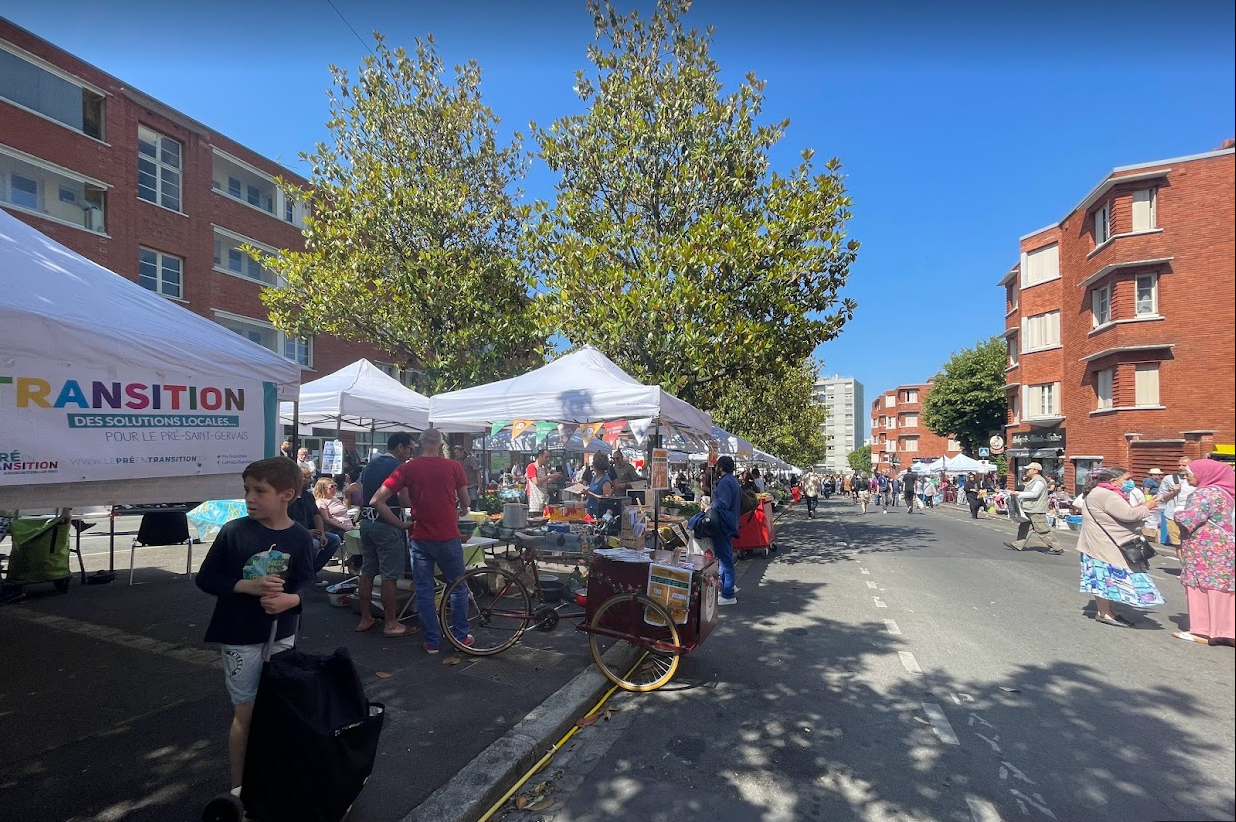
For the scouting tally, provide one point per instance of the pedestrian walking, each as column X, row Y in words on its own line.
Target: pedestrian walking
column 1033, row 500
column 1207, row 553
column 727, row 503
column 1108, row 520
column 811, row 485
column 863, row 485
column 971, row 489
column 909, row 487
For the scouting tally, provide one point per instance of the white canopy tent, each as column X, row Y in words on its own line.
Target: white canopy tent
column 960, row 464
column 359, row 397
column 581, row 387
column 112, row 394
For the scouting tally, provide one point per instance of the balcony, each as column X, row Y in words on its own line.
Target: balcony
column 36, row 187
column 230, row 259
column 239, row 181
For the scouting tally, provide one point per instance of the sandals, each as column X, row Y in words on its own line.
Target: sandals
column 1188, row 637
column 1114, row 622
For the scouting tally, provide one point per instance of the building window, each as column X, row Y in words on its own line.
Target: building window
column 244, row 183
column 39, row 90
column 28, row 183
column 1010, row 342
column 1146, row 383
column 298, row 350
column 1103, row 224
column 890, row 401
column 1082, row 469
column 1103, row 382
column 1101, row 306
column 1040, row 265
column 1042, row 400
column 1015, row 409
column 160, row 273
column 909, row 444
column 1147, row 300
column 233, row 187
column 1041, row 331
column 1144, row 210
column 953, row 445
column 159, row 163
column 1010, row 297
column 230, row 257
column 910, row 396
column 909, row 421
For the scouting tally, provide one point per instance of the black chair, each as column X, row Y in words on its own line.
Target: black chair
column 163, row 528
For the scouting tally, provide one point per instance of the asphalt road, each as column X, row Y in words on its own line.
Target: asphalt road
column 906, row 667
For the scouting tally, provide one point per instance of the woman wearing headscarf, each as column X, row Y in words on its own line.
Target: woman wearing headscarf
column 1206, row 553
column 973, row 499
column 1107, row 521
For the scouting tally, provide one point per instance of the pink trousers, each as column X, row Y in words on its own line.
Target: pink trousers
column 1211, row 613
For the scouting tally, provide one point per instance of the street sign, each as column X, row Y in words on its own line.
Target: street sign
column 984, row 453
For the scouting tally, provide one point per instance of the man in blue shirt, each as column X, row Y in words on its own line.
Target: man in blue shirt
column 727, row 503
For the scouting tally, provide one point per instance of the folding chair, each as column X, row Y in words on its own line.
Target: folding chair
column 163, row 528
column 85, row 518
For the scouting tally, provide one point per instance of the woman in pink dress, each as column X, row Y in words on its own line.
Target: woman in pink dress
column 1207, row 551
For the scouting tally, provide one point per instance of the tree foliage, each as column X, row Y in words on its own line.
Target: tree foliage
column 967, row 400
column 860, row 460
column 672, row 245
column 411, row 237
column 777, row 413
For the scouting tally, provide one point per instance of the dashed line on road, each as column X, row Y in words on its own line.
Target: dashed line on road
column 891, row 625
column 871, row 584
column 864, row 572
column 909, row 662
column 879, row 603
column 940, row 723
column 981, row 810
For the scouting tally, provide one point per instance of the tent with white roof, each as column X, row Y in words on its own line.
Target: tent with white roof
column 359, row 397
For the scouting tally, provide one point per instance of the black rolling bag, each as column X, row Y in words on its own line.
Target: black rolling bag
column 313, row 739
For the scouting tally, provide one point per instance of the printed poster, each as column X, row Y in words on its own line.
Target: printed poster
column 670, row 586
column 66, row 426
column 659, row 473
column 332, row 458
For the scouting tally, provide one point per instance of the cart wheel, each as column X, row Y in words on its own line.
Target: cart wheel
column 497, row 617
column 225, row 808
column 615, row 623
column 62, row 585
column 764, row 552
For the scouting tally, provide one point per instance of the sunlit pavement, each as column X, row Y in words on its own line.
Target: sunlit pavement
column 907, row 667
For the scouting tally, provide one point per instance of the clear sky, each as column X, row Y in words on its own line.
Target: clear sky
column 962, row 126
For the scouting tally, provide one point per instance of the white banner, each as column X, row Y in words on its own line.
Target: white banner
column 61, row 425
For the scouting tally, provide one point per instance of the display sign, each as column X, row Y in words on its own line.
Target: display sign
column 712, row 452
column 997, row 444
column 670, row 586
column 332, row 458
column 129, row 424
column 659, row 474
column 1038, row 438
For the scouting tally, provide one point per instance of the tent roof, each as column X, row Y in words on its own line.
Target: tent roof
column 360, row 396
column 59, row 305
column 581, row 387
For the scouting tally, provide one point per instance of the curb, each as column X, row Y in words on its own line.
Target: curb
column 481, row 782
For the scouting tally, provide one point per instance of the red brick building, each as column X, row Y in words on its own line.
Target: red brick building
column 898, row 437
column 149, row 193
column 1120, row 323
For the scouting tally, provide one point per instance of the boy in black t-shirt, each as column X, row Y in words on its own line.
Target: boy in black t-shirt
column 249, row 602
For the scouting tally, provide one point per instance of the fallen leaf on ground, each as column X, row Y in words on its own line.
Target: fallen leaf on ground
column 585, row 721
column 452, row 660
column 1011, row 690
column 543, row 805
column 383, row 675
column 522, row 802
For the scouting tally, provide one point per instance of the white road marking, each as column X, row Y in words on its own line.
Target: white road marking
column 981, row 810
column 891, row 625
column 879, row 603
column 1007, row 768
column 864, row 572
column 193, row 656
column 909, row 662
column 871, row 584
column 940, row 724
column 1037, row 802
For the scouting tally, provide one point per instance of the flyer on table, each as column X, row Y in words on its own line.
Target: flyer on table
column 68, row 426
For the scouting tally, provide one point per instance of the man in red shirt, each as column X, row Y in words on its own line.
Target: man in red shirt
column 438, row 493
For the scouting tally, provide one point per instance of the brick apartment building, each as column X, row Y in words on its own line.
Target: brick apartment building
column 149, row 193
column 898, row 437
column 1119, row 324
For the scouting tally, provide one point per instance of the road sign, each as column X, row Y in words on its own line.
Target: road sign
column 984, row 453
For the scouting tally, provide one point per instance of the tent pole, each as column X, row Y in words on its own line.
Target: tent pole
column 295, row 426
column 653, row 442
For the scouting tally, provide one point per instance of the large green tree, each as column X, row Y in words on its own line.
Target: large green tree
column 860, row 459
column 412, row 227
column 967, row 399
column 776, row 411
column 672, row 245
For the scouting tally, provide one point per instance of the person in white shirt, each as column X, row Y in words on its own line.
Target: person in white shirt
column 304, row 461
column 1173, row 491
column 1033, row 500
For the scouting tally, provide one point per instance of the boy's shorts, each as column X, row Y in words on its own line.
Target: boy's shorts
column 242, row 668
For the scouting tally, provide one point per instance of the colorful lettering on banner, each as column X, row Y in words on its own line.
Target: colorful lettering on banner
column 520, row 426
column 498, row 426
column 613, row 430
column 543, row 429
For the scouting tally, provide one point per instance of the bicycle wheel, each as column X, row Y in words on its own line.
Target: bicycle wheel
column 617, row 623
column 499, row 610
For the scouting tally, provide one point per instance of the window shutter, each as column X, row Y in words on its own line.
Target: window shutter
column 1146, row 381
column 1143, row 209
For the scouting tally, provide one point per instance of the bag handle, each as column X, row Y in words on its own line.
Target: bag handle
column 269, row 647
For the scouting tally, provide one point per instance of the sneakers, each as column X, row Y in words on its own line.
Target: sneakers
column 727, row 600
column 429, row 649
column 467, row 642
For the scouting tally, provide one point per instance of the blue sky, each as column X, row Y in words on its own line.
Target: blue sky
column 961, row 126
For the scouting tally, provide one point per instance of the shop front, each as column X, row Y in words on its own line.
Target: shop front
column 1042, row 445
